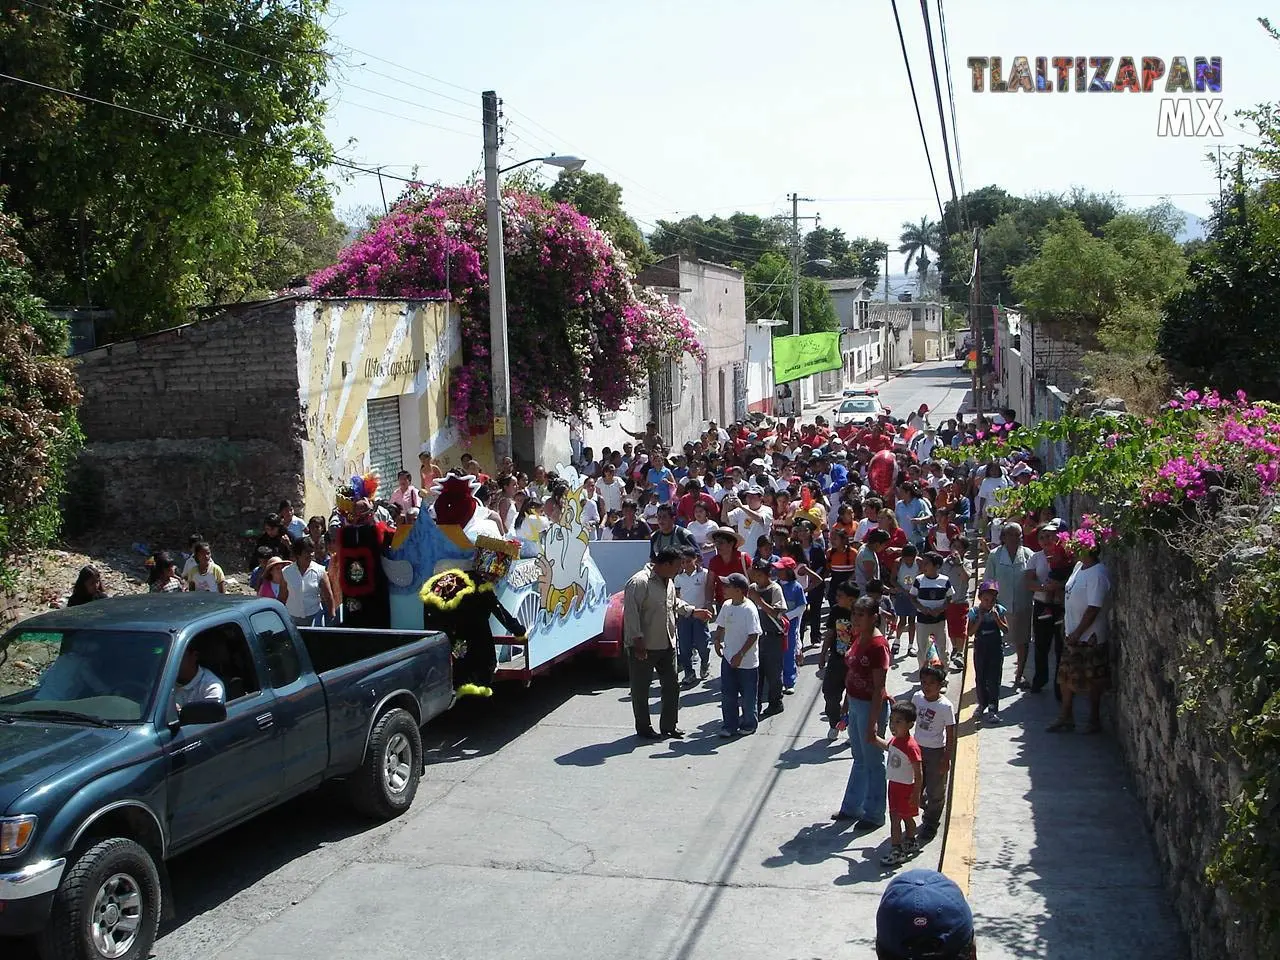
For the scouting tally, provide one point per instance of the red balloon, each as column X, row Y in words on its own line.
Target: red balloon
column 882, row 471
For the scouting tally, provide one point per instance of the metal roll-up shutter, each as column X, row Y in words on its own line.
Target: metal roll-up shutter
column 385, row 453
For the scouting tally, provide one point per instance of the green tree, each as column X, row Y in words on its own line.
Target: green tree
column 916, row 241
column 860, row 257
column 38, row 397
column 740, row 240
column 1107, row 293
column 769, row 297
column 1221, row 330
column 1011, row 228
column 150, row 217
column 596, row 196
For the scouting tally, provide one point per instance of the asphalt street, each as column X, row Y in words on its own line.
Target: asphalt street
column 943, row 385
column 545, row 829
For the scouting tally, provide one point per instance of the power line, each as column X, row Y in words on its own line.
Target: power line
column 919, row 117
column 174, row 31
column 942, row 114
column 951, row 96
column 313, row 52
column 332, row 160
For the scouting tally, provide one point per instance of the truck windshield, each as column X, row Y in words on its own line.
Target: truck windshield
column 100, row 675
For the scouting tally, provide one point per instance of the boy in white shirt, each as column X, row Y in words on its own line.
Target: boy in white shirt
column 737, row 633
column 936, row 733
column 691, row 633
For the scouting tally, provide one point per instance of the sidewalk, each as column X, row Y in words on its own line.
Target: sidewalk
column 1049, row 842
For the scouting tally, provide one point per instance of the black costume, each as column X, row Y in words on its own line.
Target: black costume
column 460, row 603
column 366, row 595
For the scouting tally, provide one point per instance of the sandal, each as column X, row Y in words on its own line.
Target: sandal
column 894, row 858
column 1060, row 726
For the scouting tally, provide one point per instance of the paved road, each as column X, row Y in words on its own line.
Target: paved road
column 545, row 829
column 940, row 384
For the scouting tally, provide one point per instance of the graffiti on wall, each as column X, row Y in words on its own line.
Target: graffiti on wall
column 352, row 351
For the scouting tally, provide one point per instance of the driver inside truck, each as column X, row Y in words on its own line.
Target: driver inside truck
column 196, row 682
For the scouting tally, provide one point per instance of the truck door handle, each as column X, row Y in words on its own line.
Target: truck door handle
column 264, row 720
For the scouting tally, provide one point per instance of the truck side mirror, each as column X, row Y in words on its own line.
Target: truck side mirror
column 202, row 712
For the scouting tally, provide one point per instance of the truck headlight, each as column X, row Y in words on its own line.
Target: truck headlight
column 16, row 833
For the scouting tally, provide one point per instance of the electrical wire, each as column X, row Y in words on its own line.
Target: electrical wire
column 174, row 31
column 951, row 96
column 332, row 160
column 942, row 114
column 919, row 117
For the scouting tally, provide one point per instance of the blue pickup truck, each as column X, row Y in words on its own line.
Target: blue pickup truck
column 133, row 729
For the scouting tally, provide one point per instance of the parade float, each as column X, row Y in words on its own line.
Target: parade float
column 560, row 596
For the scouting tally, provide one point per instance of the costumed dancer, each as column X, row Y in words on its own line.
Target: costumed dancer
column 362, row 541
column 460, row 603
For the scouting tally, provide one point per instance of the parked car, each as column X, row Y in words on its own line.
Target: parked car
column 103, row 777
column 859, row 405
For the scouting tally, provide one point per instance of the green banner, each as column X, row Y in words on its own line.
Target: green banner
column 795, row 357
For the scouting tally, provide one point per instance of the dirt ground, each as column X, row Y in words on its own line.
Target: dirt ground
column 45, row 577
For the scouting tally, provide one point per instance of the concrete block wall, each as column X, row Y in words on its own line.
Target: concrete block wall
column 194, row 428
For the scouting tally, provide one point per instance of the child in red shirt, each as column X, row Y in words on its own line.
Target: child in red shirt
column 905, row 767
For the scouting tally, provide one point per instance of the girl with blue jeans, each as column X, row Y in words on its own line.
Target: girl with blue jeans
column 867, row 666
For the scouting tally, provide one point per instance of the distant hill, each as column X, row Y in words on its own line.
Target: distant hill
column 1193, row 229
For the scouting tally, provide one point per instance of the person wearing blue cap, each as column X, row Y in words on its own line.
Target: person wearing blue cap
column 924, row 916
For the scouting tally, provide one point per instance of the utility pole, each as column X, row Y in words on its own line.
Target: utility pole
column 975, row 323
column 795, row 280
column 884, row 330
column 382, row 190
column 500, row 371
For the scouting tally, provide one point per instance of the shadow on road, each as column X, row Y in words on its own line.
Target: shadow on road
column 478, row 727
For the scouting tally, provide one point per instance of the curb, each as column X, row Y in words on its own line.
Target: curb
column 958, row 855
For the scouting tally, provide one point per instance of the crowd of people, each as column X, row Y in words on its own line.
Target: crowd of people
column 771, row 539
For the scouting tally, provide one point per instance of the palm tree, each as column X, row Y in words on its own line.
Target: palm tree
column 917, row 240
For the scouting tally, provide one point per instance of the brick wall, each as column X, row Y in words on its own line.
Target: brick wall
column 195, row 428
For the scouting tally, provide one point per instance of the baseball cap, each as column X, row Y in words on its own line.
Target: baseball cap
column 736, row 580
column 989, row 586
column 754, row 491
column 923, row 916
column 785, row 563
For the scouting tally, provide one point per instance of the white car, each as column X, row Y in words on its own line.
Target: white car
column 859, row 406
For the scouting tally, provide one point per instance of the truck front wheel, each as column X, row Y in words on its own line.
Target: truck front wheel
column 107, row 907
column 385, row 786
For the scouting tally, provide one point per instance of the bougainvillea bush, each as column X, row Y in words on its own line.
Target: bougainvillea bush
column 1202, row 453
column 581, row 336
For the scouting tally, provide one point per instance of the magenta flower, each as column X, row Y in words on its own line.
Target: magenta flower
column 582, row 337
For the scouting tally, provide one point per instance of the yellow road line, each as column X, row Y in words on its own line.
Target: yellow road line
column 957, row 840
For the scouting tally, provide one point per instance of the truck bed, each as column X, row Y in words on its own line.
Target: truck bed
column 359, row 669
column 334, row 647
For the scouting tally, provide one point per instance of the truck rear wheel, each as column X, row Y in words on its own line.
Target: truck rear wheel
column 107, row 907
column 387, row 782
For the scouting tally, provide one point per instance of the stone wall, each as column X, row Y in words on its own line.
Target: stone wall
column 191, row 429
column 1180, row 770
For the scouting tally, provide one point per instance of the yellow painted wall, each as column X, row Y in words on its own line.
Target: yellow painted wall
column 351, row 351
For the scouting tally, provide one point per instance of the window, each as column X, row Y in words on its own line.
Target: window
column 277, row 646
column 225, row 651
column 385, row 454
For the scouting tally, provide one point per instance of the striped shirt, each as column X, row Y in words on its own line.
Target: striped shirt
column 933, row 594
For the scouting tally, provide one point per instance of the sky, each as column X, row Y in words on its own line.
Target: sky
column 713, row 106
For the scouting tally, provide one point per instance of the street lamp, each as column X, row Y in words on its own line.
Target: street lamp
column 500, row 367
column 568, row 164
